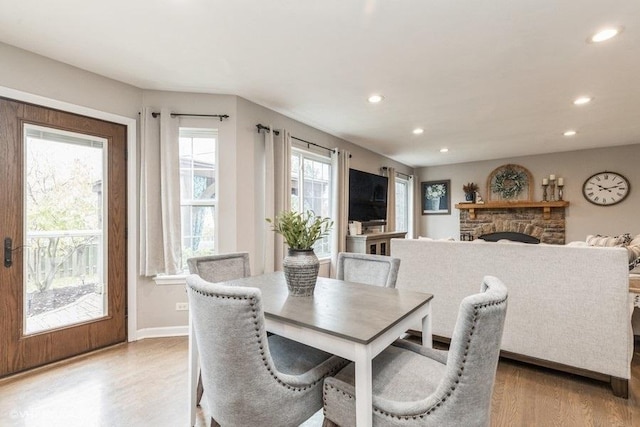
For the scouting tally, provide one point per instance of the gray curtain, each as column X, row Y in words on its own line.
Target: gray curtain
column 282, row 175
column 391, row 199
column 160, row 246
column 339, row 204
column 269, row 201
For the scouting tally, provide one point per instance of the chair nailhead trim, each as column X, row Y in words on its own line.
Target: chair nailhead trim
column 254, row 310
column 430, row 410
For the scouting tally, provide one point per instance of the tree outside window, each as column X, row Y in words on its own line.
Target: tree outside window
column 311, row 190
column 198, row 191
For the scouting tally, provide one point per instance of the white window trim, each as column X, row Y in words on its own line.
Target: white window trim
column 407, row 182
column 321, row 158
column 175, row 279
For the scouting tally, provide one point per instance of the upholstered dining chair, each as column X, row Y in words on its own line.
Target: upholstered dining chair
column 221, row 267
column 419, row 386
column 376, row 270
column 255, row 380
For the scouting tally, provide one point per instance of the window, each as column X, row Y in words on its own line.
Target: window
column 198, row 190
column 402, row 204
column 311, row 190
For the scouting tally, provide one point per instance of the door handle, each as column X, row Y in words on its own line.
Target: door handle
column 7, row 252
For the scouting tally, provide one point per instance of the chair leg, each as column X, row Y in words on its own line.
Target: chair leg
column 328, row 423
column 199, row 390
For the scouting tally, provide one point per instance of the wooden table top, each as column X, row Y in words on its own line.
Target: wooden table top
column 354, row 311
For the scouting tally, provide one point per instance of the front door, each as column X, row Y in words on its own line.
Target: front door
column 63, row 236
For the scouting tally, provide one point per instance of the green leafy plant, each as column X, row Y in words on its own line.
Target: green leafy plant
column 301, row 230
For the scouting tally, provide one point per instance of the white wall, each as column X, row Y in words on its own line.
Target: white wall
column 37, row 75
column 582, row 217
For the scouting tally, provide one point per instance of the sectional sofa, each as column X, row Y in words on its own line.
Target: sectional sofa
column 569, row 307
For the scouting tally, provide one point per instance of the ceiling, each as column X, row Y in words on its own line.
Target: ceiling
column 485, row 79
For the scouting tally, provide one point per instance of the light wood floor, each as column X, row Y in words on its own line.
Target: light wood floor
column 145, row 384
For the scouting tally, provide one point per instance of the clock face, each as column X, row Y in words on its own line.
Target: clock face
column 605, row 188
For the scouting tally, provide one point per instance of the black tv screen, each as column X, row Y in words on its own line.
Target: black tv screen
column 367, row 196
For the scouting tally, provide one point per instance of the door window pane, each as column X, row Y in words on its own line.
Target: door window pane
column 65, row 222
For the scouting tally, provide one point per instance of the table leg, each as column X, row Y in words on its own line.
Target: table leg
column 364, row 387
column 193, row 374
column 427, row 339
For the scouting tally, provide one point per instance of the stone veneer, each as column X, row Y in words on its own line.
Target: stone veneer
column 520, row 220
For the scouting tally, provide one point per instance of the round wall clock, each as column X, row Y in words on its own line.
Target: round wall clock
column 605, row 188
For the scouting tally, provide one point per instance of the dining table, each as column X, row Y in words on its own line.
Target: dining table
column 352, row 320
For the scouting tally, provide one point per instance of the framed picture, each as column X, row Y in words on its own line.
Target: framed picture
column 436, row 197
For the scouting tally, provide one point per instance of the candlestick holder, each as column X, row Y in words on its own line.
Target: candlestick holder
column 560, row 192
column 552, row 190
column 544, row 192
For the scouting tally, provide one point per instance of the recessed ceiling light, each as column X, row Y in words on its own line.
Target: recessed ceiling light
column 582, row 100
column 418, row 131
column 570, row 133
column 605, row 34
column 374, row 99
column 444, row 150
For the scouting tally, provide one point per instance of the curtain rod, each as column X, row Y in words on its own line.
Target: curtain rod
column 399, row 173
column 267, row 128
column 312, row 143
column 220, row 116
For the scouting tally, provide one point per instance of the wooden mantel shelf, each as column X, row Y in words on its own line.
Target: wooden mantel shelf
column 546, row 206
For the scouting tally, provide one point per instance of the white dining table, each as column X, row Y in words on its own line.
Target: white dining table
column 351, row 320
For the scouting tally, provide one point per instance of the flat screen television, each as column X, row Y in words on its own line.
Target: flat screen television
column 367, row 196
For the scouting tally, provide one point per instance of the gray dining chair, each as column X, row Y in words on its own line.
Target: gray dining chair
column 420, row 386
column 376, row 270
column 254, row 379
column 219, row 268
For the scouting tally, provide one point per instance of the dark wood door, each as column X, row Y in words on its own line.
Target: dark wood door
column 63, row 225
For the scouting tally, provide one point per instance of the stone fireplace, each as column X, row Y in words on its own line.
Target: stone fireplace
column 539, row 221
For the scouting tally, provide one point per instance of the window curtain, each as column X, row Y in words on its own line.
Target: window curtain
column 391, row 200
column 269, row 201
column 339, row 204
column 160, row 246
column 282, row 184
column 411, row 207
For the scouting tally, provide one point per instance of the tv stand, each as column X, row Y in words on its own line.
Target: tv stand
column 373, row 243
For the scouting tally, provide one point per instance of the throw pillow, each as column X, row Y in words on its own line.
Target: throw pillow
column 634, row 256
column 607, row 241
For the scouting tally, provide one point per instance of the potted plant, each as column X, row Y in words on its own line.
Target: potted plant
column 469, row 191
column 301, row 230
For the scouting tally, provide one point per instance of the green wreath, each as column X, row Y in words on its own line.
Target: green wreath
column 509, row 183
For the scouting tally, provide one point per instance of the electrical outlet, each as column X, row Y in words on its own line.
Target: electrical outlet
column 182, row 306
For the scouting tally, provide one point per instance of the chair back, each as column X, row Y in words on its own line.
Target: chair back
column 238, row 373
column 378, row 270
column 222, row 267
column 473, row 356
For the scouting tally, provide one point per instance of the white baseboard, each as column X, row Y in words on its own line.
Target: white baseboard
column 170, row 331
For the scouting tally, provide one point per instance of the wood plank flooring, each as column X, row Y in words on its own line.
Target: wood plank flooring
column 145, row 384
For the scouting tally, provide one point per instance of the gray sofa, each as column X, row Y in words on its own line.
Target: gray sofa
column 569, row 307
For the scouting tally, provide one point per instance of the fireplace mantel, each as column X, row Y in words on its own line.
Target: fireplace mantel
column 546, row 206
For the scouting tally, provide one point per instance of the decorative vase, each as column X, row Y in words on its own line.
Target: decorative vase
column 433, row 204
column 469, row 197
column 301, row 271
